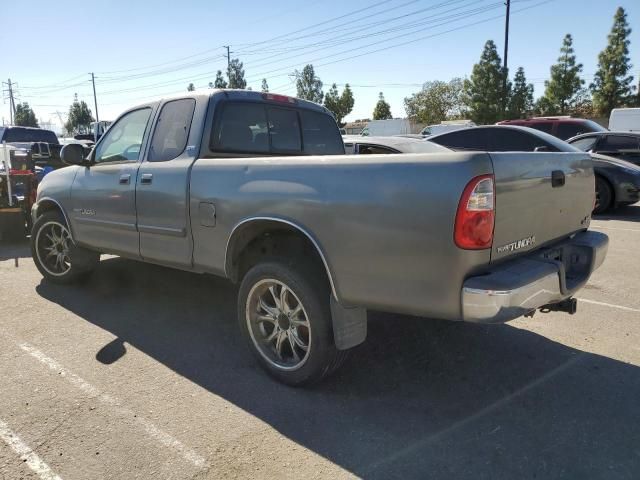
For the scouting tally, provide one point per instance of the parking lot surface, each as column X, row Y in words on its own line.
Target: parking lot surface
column 141, row 373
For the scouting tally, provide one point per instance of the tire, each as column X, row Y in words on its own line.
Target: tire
column 278, row 340
column 57, row 258
column 604, row 196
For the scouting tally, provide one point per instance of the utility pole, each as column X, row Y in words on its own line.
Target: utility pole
column 12, row 102
column 95, row 103
column 228, row 64
column 506, row 54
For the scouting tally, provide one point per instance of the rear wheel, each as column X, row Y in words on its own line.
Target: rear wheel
column 604, row 195
column 285, row 316
column 57, row 258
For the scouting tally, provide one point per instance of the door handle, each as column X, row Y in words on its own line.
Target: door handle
column 146, row 179
column 557, row 178
column 124, row 179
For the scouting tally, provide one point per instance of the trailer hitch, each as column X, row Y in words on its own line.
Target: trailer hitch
column 570, row 306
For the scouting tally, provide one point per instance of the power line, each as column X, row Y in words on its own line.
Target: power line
column 354, row 12
column 182, row 59
column 334, row 28
column 183, row 66
column 289, row 67
column 428, row 20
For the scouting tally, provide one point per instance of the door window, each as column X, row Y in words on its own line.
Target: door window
column 123, row 141
column 172, row 130
column 546, row 127
column 508, row 140
column 466, row 139
column 616, row 143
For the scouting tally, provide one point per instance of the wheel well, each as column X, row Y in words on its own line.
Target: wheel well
column 610, row 184
column 257, row 240
column 45, row 206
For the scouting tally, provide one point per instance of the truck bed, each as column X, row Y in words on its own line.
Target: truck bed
column 385, row 222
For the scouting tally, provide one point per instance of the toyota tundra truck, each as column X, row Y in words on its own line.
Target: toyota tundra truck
column 255, row 187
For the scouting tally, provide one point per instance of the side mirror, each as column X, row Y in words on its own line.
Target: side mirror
column 73, row 154
column 542, row 148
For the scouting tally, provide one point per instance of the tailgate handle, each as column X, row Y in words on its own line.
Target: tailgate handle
column 557, row 178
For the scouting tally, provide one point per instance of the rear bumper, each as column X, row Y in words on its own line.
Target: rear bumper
column 544, row 277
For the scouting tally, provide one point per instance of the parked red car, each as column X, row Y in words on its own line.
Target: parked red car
column 561, row 127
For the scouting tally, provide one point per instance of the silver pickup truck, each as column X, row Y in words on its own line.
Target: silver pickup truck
column 257, row 188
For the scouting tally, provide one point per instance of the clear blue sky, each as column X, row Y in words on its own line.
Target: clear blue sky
column 138, row 51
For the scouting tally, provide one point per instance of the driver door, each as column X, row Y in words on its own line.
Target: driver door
column 103, row 194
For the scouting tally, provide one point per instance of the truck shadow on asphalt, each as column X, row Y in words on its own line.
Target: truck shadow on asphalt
column 15, row 249
column 419, row 399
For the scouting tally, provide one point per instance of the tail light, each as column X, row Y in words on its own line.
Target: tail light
column 476, row 214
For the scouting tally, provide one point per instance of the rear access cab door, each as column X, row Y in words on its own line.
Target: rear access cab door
column 162, row 188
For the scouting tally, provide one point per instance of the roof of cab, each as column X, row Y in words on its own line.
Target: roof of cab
column 242, row 95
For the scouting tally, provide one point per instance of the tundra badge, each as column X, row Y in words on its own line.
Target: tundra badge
column 517, row 245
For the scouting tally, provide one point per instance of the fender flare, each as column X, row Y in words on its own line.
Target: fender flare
column 245, row 222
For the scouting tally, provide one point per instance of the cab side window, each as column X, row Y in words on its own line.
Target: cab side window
column 507, row 140
column 123, row 141
column 172, row 130
column 474, row 139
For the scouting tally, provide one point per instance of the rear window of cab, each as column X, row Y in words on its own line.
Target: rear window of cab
column 265, row 129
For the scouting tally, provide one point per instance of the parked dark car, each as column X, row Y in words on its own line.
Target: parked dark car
column 561, row 127
column 622, row 145
column 617, row 181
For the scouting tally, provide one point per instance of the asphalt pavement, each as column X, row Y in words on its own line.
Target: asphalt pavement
column 141, row 373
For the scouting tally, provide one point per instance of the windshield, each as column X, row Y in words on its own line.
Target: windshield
column 585, row 144
column 594, row 127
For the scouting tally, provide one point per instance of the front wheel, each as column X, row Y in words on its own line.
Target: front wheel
column 285, row 316
column 57, row 258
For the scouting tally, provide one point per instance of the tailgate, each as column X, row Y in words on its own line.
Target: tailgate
column 531, row 210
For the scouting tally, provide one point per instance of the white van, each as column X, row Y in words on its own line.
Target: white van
column 625, row 120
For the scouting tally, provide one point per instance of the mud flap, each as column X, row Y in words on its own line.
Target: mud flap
column 349, row 325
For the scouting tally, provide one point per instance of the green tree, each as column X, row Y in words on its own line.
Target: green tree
column 382, row 111
column 484, row 90
column 437, row 101
column 236, row 74
column 309, row 85
column 521, row 100
column 611, row 85
column 340, row 105
column 190, row 87
column 80, row 117
column 219, row 82
column 25, row 115
column 564, row 85
column 265, row 86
